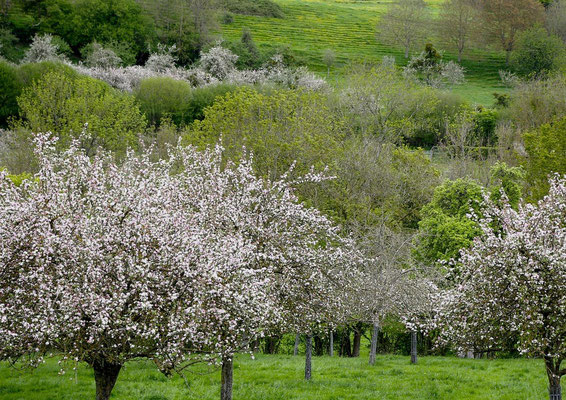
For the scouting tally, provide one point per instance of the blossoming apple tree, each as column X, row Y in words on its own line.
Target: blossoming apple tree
column 179, row 260
column 513, row 284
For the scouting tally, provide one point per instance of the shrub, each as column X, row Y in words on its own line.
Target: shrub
column 96, row 55
column 218, row 61
column 163, row 96
column 30, row 73
column 162, row 60
column 63, row 105
column 43, row 48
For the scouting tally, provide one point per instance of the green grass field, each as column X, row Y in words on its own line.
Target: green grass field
column 280, row 378
column 348, row 28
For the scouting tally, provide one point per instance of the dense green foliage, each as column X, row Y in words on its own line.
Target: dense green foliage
column 9, row 91
column 279, row 128
column 537, row 52
column 546, row 154
column 166, row 97
column 63, row 105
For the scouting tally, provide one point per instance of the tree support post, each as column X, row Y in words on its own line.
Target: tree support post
column 296, row 349
column 413, row 347
column 331, row 345
column 308, row 358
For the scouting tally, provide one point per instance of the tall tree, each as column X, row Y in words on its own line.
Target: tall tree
column 403, row 24
column 503, row 20
column 456, row 26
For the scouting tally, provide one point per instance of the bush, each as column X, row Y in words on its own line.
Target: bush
column 95, row 55
column 28, row 74
column 43, row 48
column 162, row 96
column 537, row 52
column 10, row 88
column 63, row 105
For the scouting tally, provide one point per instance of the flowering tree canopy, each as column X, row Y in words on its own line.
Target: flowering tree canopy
column 513, row 284
column 177, row 260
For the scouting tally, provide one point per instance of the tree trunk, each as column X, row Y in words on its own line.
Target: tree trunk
column 296, row 349
column 227, row 378
column 105, row 375
column 413, row 347
column 407, row 52
column 308, row 358
column 318, row 346
column 358, row 330
column 373, row 348
column 507, row 57
column 331, row 346
column 553, row 372
column 345, row 345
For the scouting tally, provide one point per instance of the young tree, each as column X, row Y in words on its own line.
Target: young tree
column 457, row 22
column 390, row 284
column 429, row 68
column 504, row 19
column 329, row 58
column 403, row 24
column 513, row 284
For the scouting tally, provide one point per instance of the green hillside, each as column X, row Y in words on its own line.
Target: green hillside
column 348, row 27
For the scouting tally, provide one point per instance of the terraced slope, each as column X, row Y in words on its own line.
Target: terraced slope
column 348, row 27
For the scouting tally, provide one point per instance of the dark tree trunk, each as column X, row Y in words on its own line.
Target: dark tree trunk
column 345, row 345
column 413, row 347
column 105, row 375
column 357, row 340
column 553, row 372
column 308, row 358
column 318, row 346
column 271, row 344
column 373, row 348
column 227, row 378
column 331, row 346
column 296, row 349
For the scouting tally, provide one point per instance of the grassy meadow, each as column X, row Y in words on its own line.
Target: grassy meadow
column 281, row 378
column 348, row 27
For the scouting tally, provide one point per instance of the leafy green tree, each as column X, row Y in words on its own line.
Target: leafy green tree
column 63, row 105
column 537, row 52
column 545, row 154
column 279, row 128
column 447, row 226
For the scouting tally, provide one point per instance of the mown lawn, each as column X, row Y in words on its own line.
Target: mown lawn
column 348, row 28
column 280, row 378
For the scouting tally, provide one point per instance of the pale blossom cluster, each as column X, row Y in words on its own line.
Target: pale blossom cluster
column 41, row 49
column 171, row 260
column 216, row 66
